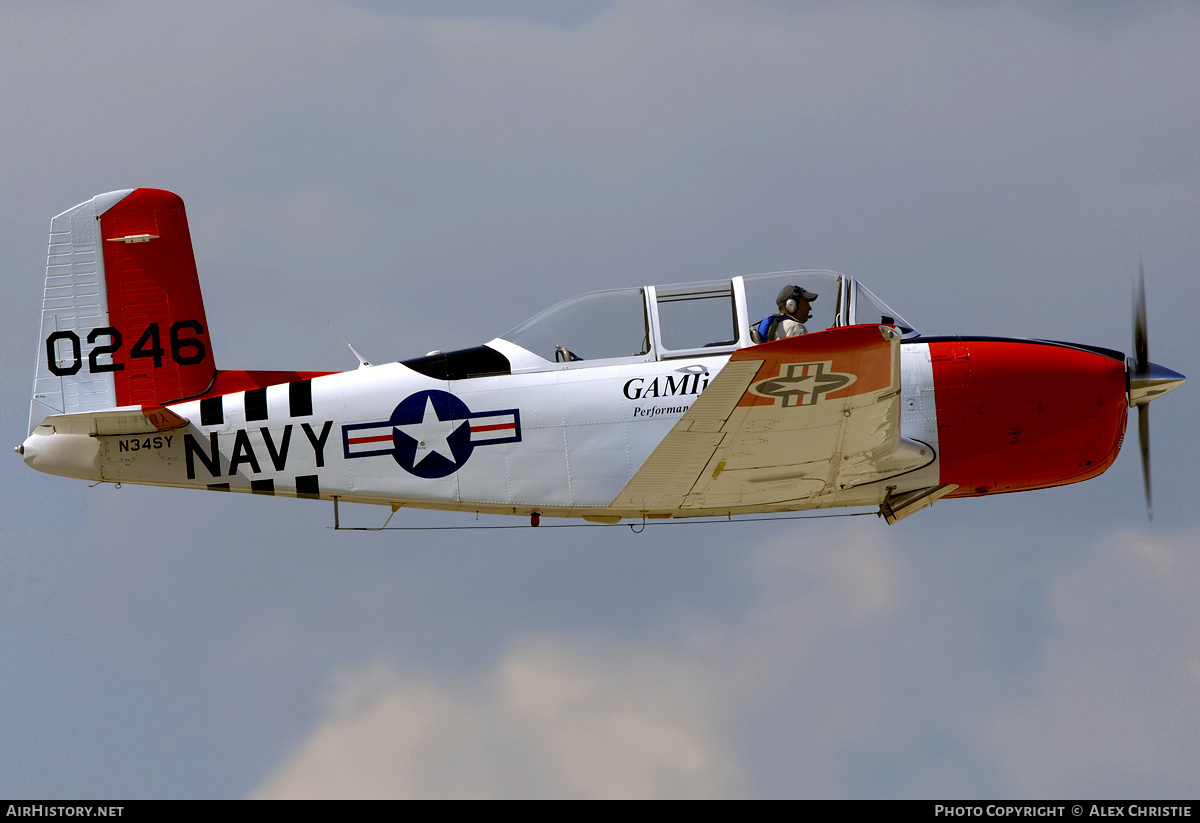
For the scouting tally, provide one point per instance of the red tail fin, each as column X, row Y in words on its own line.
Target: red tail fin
column 154, row 301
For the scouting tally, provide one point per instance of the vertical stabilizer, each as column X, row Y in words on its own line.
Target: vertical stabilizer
column 123, row 319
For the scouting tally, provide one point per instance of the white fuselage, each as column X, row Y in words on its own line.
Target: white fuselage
column 561, row 442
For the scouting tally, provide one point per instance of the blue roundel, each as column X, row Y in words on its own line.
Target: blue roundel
column 432, row 434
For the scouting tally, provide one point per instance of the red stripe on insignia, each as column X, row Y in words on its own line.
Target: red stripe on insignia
column 378, row 438
column 494, row 427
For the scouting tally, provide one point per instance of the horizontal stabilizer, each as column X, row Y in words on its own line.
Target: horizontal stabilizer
column 145, row 420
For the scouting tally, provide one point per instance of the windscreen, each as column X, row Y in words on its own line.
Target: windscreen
column 870, row 309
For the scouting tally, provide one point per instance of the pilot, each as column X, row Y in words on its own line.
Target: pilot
column 794, row 308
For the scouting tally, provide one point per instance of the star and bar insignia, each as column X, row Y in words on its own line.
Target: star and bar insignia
column 431, row 433
column 802, row 384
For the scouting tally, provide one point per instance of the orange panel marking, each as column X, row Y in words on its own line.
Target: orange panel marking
column 861, row 351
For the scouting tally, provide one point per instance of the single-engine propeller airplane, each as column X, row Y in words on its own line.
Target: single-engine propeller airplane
column 650, row 402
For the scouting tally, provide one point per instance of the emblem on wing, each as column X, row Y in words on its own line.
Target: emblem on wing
column 431, row 433
column 802, row 384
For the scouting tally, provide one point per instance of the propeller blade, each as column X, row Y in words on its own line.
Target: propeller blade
column 1144, row 441
column 1146, row 381
column 1141, row 335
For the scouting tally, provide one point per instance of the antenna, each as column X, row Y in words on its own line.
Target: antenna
column 362, row 361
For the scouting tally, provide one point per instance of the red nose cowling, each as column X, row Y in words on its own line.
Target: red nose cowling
column 1018, row 415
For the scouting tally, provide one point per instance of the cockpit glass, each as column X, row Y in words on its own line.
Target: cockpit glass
column 592, row 326
column 696, row 316
column 762, row 289
column 870, row 309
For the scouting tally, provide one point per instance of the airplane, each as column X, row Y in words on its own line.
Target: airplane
column 633, row 404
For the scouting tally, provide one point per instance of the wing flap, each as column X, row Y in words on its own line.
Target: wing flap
column 672, row 472
column 789, row 421
column 710, row 411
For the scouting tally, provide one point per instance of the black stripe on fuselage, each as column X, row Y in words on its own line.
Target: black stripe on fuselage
column 212, row 411
column 256, row 404
column 300, row 398
column 308, row 486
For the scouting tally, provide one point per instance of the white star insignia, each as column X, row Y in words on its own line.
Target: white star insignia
column 432, row 434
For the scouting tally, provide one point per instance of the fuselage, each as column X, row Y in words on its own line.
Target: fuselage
column 998, row 416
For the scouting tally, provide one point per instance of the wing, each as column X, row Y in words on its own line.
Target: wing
column 784, row 422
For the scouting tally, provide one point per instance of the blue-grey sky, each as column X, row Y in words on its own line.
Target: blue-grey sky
column 425, row 175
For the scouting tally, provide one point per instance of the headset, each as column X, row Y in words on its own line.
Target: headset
column 790, row 305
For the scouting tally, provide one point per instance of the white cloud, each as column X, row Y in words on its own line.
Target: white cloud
column 543, row 723
column 1115, row 708
column 810, row 684
column 578, row 718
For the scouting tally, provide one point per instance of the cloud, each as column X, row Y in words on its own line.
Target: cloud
column 815, row 691
column 1115, row 708
column 574, row 717
column 543, row 722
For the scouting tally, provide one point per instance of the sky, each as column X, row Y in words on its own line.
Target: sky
column 420, row 175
